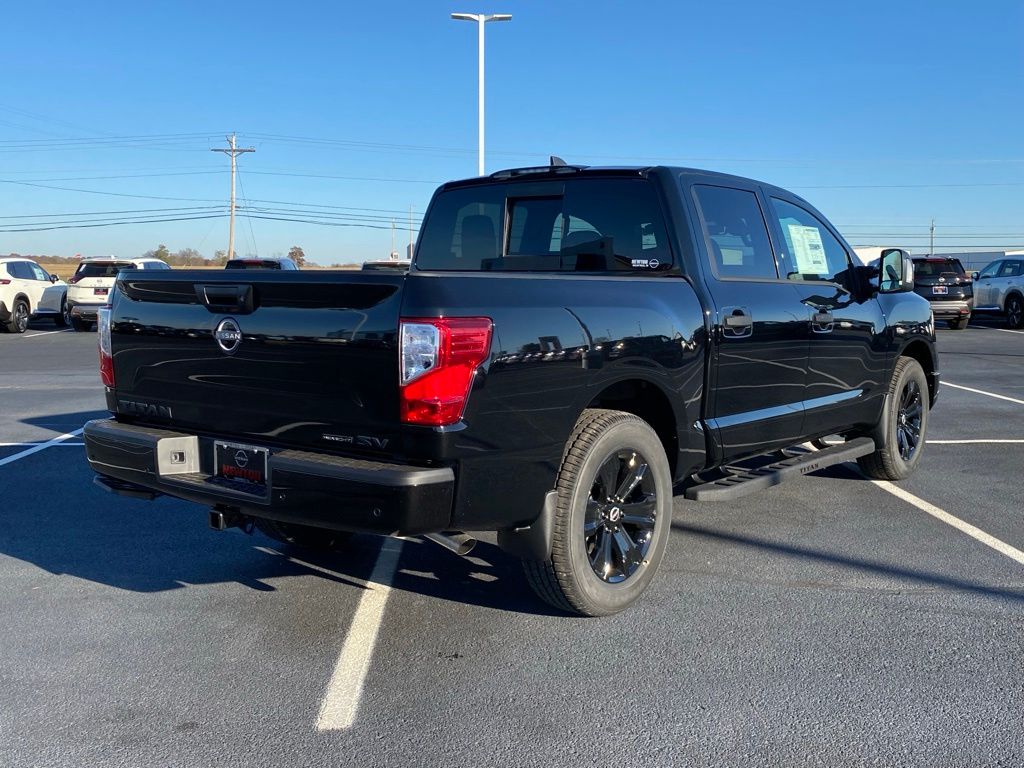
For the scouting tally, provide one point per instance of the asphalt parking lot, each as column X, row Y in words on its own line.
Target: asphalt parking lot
column 824, row 622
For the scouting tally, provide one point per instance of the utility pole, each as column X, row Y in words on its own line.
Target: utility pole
column 233, row 151
column 931, row 240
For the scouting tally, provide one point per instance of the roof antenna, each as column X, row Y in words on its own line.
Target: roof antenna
column 556, row 161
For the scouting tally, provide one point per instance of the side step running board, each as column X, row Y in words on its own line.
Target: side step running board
column 745, row 482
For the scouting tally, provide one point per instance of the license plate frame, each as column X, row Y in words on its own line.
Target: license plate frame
column 243, row 467
column 940, row 290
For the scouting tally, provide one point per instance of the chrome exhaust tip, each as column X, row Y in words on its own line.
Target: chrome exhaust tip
column 455, row 541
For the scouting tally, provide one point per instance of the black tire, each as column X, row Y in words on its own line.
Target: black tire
column 64, row 318
column 18, row 322
column 908, row 414
column 606, row 448
column 1014, row 311
column 959, row 324
column 303, row 536
column 80, row 325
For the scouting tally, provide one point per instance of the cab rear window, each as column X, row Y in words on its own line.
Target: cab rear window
column 583, row 225
column 102, row 268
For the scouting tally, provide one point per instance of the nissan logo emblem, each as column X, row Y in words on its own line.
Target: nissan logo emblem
column 241, row 459
column 228, row 335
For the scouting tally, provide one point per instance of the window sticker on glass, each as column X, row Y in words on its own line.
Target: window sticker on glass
column 732, row 257
column 808, row 250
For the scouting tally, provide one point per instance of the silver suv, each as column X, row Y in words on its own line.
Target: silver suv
column 999, row 288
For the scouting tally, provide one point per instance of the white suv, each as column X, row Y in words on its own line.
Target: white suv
column 89, row 289
column 27, row 290
column 999, row 287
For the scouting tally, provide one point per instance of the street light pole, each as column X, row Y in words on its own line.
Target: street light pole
column 481, row 19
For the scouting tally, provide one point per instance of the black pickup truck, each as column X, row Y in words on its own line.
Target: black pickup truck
column 569, row 346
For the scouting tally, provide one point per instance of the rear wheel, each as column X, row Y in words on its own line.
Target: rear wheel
column 906, row 425
column 612, row 516
column 1015, row 312
column 960, row 323
column 64, row 318
column 18, row 322
column 80, row 325
column 303, row 536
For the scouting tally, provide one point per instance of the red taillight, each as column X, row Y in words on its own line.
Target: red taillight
column 73, row 279
column 5, row 282
column 438, row 358
column 106, row 354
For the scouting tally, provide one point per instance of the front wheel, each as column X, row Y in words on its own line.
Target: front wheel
column 63, row 320
column 303, row 536
column 905, row 427
column 612, row 517
column 1014, row 312
column 18, row 323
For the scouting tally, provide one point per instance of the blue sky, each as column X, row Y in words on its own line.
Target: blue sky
column 883, row 114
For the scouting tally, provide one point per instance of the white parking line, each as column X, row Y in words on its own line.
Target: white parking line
column 1006, row 330
column 345, row 689
column 26, row 445
column 973, row 442
column 983, row 392
column 974, row 532
column 41, row 333
column 41, row 447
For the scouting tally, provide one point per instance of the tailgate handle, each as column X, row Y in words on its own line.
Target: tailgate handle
column 231, row 299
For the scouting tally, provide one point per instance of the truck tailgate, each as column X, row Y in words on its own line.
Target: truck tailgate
column 306, row 359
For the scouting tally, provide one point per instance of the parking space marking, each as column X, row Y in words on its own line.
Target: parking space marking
column 973, row 442
column 939, row 514
column 41, row 446
column 40, row 442
column 341, row 700
column 1006, row 330
column 41, row 333
column 983, row 392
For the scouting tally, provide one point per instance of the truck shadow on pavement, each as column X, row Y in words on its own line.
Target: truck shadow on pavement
column 937, row 581
column 56, row 518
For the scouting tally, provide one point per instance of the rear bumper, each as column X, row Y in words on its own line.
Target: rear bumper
column 308, row 488
column 951, row 309
column 84, row 311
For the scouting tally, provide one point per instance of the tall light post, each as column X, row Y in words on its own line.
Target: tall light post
column 481, row 19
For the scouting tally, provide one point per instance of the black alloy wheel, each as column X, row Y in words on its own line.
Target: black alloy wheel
column 621, row 512
column 1014, row 312
column 908, row 420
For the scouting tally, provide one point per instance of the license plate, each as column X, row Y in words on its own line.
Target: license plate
column 244, row 465
column 100, row 291
column 940, row 289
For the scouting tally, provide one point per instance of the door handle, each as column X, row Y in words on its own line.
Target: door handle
column 738, row 322
column 822, row 322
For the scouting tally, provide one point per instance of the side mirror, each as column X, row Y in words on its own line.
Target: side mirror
column 975, row 275
column 897, row 271
column 54, row 278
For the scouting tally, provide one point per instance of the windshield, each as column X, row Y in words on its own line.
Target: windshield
column 581, row 225
column 102, row 268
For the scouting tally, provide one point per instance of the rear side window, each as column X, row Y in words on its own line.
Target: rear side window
column 102, row 268
column 1010, row 268
column 19, row 270
column 594, row 225
column 736, row 233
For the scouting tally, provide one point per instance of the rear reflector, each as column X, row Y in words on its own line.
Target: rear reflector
column 438, row 358
column 106, row 354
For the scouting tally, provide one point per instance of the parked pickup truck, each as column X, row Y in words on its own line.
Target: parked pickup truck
column 569, row 345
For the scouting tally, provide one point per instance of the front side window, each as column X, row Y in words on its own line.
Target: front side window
column 991, row 270
column 736, row 233
column 812, row 252
column 1011, row 268
column 38, row 273
column 593, row 225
